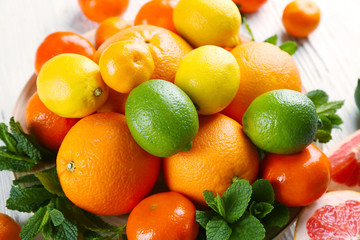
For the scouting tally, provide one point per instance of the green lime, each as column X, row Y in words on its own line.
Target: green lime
column 281, row 121
column 357, row 94
column 161, row 118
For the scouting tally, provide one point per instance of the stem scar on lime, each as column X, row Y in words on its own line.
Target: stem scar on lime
column 70, row 166
column 97, row 92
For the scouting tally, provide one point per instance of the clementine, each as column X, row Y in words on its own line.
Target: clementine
column 115, row 102
column 220, row 153
column 163, row 216
column 99, row 10
column 249, row 6
column 108, row 28
column 101, row 168
column 264, row 67
column 9, row 228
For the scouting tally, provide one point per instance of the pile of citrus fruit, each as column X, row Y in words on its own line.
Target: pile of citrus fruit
column 184, row 104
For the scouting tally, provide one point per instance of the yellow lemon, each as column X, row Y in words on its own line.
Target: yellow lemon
column 126, row 64
column 71, row 86
column 210, row 76
column 203, row 22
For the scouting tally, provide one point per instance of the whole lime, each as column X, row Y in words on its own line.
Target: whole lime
column 161, row 118
column 281, row 121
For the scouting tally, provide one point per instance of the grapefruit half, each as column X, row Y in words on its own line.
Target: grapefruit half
column 335, row 216
column 345, row 164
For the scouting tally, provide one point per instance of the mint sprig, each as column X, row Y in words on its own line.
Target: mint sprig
column 326, row 111
column 243, row 212
column 288, row 46
column 247, row 26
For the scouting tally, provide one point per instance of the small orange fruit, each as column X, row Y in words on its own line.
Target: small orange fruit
column 9, row 228
column 301, row 17
column 48, row 128
column 163, row 216
column 99, row 10
column 220, row 153
column 115, row 102
column 101, row 168
column 264, row 67
column 166, row 47
column 108, row 28
column 249, row 6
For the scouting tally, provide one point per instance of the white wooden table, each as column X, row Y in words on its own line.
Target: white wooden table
column 328, row 59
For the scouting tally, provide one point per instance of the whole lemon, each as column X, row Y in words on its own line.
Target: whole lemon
column 71, row 86
column 203, row 22
column 210, row 76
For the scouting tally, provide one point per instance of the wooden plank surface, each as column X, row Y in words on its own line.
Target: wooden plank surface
column 328, row 59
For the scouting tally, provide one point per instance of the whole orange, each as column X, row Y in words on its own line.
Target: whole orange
column 301, row 17
column 297, row 179
column 108, row 28
column 9, row 228
column 48, row 128
column 220, row 153
column 249, row 6
column 163, row 216
column 264, row 67
column 115, row 102
column 101, row 168
column 99, row 10
column 166, row 47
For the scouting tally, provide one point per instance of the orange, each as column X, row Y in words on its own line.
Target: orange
column 115, row 102
column 48, row 128
column 249, row 6
column 166, row 47
column 264, row 67
column 99, row 10
column 101, row 168
column 9, row 228
column 163, row 216
column 221, row 152
column 158, row 13
column 108, row 28
column 301, row 17
column 297, row 179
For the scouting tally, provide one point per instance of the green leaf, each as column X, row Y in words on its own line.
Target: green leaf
column 279, row 216
column 323, row 136
column 210, row 200
column 203, row 217
column 247, row 227
column 236, row 199
column 318, row 97
column 247, row 26
column 289, row 46
column 50, row 180
column 329, row 107
column 15, row 163
column 66, row 230
column 30, row 178
column 34, row 225
column 28, row 199
column 261, row 209
column 218, row 229
column 220, row 205
column 273, row 39
column 7, row 138
column 335, row 120
column 56, row 216
column 47, row 230
column 262, row 191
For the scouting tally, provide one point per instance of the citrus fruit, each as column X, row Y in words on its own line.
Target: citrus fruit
column 336, row 215
column 221, row 152
column 345, row 163
column 108, row 28
column 297, row 179
column 9, row 228
column 48, row 128
column 163, row 216
column 357, row 94
column 62, row 42
column 166, row 47
column 101, row 168
column 99, row 10
column 161, row 118
column 281, row 121
column 70, row 85
column 301, row 17
column 115, row 102
column 249, row 6
column 263, row 67
column 158, row 13
column 208, row 22
column 210, row 76
column 126, row 64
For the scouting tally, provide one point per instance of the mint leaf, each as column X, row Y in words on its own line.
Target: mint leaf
column 66, row 230
column 247, row 227
column 30, row 178
column 247, row 26
column 218, row 229
column 261, row 209
column 34, row 225
column 329, row 107
column 7, row 138
column 236, row 199
column 210, row 200
column 335, row 120
column 203, row 217
column 318, row 97
column 323, row 136
column 220, row 205
column 279, row 216
column 273, row 39
column 289, row 46
column 262, row 191
column 47, row 230
column 50, row 181
column 56, row 216
column 13, row 162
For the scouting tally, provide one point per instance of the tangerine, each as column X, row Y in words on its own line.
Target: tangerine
column 249, row 6
column 108, row 28
column 115, row 102
column 9, row 228
column 99, row 10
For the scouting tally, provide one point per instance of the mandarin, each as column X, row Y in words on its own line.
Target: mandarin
column 115, row 102
column 249, row 6
column 101, row 168
column 108, row 28
column 220, row 153
column 9, row 228
column 99, row 10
